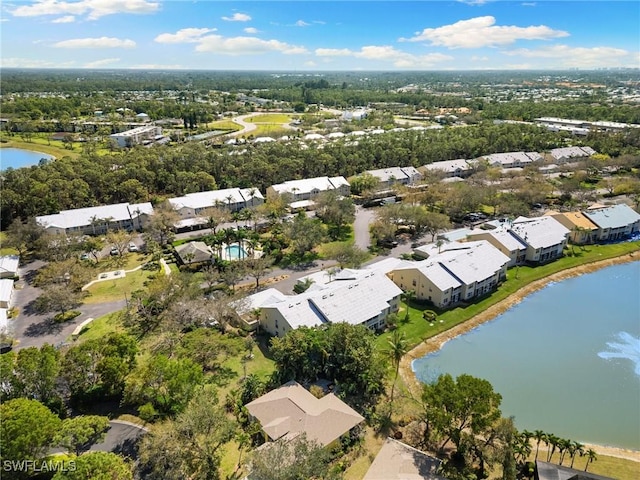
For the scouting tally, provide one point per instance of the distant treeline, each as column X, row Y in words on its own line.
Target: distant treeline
column 151, row 174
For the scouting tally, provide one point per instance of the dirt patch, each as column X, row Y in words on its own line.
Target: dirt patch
column 436, row 342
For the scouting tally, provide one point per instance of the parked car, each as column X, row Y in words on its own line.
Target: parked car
column 133, row 247
column 388, row 243
column 114, row 251
column 84, row 256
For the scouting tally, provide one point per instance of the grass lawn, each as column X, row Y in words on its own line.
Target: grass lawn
column 101, row 326
column 6, row 250
column 270, row 118
column 118, row 289
column 40, row 143
column 268, row 130
column 224, row 125
column 417, row 329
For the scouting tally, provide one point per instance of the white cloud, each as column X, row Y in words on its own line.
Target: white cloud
column 577, row 57
column 482, row 32
column 65, row 19
column 474, row 2
column 310, row 63
column 528, row 4
column 476, row 58
column 185, row 35
column 155, row 66
column 386, row 53
column 94, row 9
column 302, row 23
column 32, row 63
column 102, row 42
column 245, row 46
column 237, row 17
column 251, row 30
column 101, row 63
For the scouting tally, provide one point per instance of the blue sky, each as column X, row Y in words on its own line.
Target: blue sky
column 320, row 35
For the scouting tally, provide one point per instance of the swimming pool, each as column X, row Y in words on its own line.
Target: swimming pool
column 235, row 252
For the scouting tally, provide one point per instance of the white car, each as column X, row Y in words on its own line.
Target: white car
column 133, row 247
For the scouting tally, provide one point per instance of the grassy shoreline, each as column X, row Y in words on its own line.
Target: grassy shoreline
column 492, row 307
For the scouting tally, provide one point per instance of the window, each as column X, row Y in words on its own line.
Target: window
column 413, row 282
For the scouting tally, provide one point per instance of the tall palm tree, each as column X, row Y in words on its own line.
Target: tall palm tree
column 398, row 346
column 576, row 449
column 592, row 457
column 563, row 447
column 408, row 296
column 540, row 436
column 552, row 442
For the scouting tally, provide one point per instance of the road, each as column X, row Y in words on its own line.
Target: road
column 121, row 437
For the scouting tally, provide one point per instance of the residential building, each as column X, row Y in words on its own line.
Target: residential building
column 545, row 237
column 614, row 222
column 137, row 136
column 453, row 273
column 98, row 220
column 9, row 266
column 388, row 177
column 584, row 124
column 291, row 410
column 194, row 252
column 512, row 159
column 309, row 188
column 399, row 461
column 570, row 154
column 192, row 205
column 6, row 292
column 460, row 168
column 359, row 297
column 582, row 229
column 505, row 241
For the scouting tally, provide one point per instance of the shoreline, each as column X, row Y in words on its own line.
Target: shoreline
column 436, row 342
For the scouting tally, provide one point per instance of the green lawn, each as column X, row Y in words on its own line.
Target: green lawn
column 417, row 329
column 6, row 250
column 224, row 125
column 269, row 130
column 40, row 143
column 119, row 289
column 270, row 118
column 101, row 326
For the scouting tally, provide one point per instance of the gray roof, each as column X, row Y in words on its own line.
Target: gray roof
column 449, row 166
column 540, row 232
column 397, row 173
column 291, row 410
column 194, row 252
column 9, row 264
column 509, row 158
column 82, row 217
column 309, row 185
column 362, row 295
column 551, row 471
column 398, row 461
column 211, row 198
column 571, row 152
column 615, row 216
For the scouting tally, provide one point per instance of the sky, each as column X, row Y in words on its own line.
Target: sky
column 300, row 35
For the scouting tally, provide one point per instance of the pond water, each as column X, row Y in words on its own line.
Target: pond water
column 566, row 360
column 17, row 158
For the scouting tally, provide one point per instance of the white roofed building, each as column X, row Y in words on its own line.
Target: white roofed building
column 192, row 205
column 6, row 292
column 9, row 266
column 387, row 177
column 545, row 237
column 359, row 297
column 309, row 188
column 136, row 136
column 450, row 168
column 98, row 220
column 613, row 222
column 453, row 273
column 512, row 159
column 568, row 154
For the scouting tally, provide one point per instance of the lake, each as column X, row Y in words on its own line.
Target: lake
column 566, row 360
column 17, row 158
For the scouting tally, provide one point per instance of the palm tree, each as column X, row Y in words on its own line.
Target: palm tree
column 576, row 449
column 563, row 447
column 552, row 442
column 398, row 346
column 408, row 296
column 540, row 436
column 592, row 457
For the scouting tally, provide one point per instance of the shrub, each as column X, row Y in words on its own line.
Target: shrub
column 66, row 316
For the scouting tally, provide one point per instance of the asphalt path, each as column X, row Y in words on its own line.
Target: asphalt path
column 31, row 329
